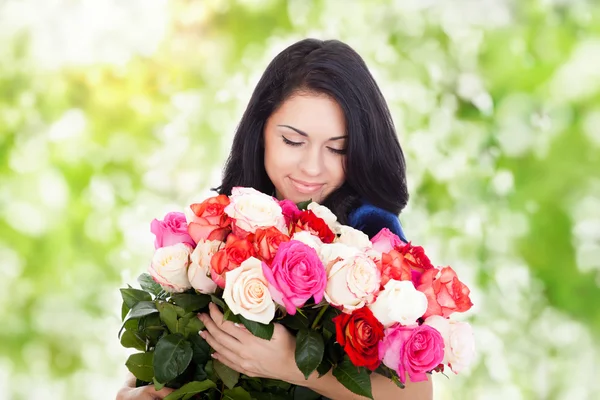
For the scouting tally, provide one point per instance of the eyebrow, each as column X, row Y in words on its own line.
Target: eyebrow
column 306, row 134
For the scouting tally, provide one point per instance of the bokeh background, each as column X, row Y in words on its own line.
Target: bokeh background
column 114, row 112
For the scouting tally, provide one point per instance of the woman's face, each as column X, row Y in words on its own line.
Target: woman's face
column 305, row 146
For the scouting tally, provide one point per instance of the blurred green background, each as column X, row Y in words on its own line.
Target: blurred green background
column 114, row 112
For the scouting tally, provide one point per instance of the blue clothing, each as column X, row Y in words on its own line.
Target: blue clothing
column 371, row 219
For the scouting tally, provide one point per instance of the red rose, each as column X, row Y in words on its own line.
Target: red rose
column 267, row 241
column 445, row 293
column 229, row 258
column 393, row 265
column 210, row 221
column 359, row 334
column 417, row 260
column 308, row 221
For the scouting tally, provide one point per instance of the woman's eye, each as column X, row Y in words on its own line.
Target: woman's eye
column 337, row 151
column 290, row 143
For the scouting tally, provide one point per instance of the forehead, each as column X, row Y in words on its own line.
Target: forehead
column 317, row 115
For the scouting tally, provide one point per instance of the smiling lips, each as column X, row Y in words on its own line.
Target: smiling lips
column 306, row 187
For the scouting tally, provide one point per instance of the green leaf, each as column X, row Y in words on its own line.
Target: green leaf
column 191, row 302
column 141, row 309
column 229, row 377
column 189, row 325
column 324, row 367
column 218, row 301
column 189, row 389
column 257, row 329
column 304, row 393
column 356, row 379
column 148, row 284
column 230, row 316
column 171, row 357
column 124, row 311
column 157, row 385
column 130, row 339
column 152, row 328
column 200, row 350
column 303, row 205
column 141, row 365
column 133, row 296
column 168, row 315
column 309, row 351
column 296, row 322
column 237, row 393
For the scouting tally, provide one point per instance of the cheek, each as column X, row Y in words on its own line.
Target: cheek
column 335, row 167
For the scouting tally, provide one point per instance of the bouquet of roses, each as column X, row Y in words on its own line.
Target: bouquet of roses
column 355, row 305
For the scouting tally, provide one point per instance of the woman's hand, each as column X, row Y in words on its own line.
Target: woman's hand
column 241, row 351
column 130, row 392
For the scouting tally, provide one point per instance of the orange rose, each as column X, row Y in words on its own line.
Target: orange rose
column 416, row 259
column 445, row 293
column 267, row 241
column 209, row 221
column 393, row 265
column 236, row 251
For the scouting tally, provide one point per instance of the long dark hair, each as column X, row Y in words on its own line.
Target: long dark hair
column 375, row 168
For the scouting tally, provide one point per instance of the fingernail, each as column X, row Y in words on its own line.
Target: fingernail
column 201, row 333
column 214, row 355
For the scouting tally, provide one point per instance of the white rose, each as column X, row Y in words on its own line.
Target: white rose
column 399, row 302
column 459, row 343
column 169, row 267
column 252, row 209
column 199, row 269
column 329, row 252
column 352, row 282
column 246, row 292
column 308, row 239
column 354, row 237
column 326, row 215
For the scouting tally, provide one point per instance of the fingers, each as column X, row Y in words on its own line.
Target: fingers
column 161, row 394
column 219, row 347
column 238, row 332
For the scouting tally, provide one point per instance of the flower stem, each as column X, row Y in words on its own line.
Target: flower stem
column 319, row 316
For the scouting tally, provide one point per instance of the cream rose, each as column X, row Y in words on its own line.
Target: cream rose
column 246, row 292
column 199, row 269
column 308, row 239
column 326, row 215
column 352, row 282
column 354, row 237
column 399, row 302
column 330, row 252
column 169, row 267
column 459, row 343
column 252, row 209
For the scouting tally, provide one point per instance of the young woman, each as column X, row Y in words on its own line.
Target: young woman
column 317, row 127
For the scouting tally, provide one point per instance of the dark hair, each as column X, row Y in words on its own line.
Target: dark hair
column 375, row 167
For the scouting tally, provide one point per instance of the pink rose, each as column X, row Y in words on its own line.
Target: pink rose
column 412, row 350
column 290, row 211
column 171, row 230
column 385, row 241
column 295, row 275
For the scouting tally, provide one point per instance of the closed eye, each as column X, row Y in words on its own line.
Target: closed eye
column 289, row 142
column 337, row 151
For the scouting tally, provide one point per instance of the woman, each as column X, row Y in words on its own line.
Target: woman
column 317, row 127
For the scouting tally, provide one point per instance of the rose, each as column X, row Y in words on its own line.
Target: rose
column 295, row 275
column 308, row 221
column 394, row 266
column 326, row 215
column 417, row 260
column 399, row 301
column 208, row 220
column 352, row 282
column 229, row 258
column 308, row 239
column 330, row 252
column 385, row 241
column 267, row 241
column 445, row 293
column 251, row 209
column 354, row 237
column 169, row 267
column 459, row 343
column 246, row 292
column 199, row 269
column 412, row 349
column 171, row 230
column 290, row 211
column 359, row 334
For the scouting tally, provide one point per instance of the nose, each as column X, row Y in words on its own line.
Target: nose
column 311, row 162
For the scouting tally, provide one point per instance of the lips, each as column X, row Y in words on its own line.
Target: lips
column 306, row 187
